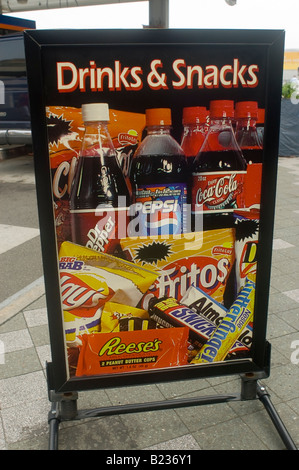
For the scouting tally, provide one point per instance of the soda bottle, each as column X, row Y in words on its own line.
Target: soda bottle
column 99, row 194
column 260, row 125
column 246, row 113
column 219, row 169
column 195, row 122
column 159, row 180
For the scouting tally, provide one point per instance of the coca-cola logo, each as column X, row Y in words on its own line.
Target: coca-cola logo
column 217, row 190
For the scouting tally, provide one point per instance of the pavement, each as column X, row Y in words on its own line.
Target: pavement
column 238, row 425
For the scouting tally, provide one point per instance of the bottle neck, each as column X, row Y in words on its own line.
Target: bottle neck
column 246, row 123
column 158, row 130
column 97, row 141
column 223, row 120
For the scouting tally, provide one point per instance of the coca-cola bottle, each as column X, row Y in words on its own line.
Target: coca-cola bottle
column 218, row 170
column 246, row 115
column 99, row 195
column 159, row 180
column 260, row 125
column 195, row 123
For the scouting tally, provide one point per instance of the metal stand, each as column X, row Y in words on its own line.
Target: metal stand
column 64, row 408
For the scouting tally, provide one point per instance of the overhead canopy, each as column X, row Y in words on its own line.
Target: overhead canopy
column 158, row 9
column 9, row 6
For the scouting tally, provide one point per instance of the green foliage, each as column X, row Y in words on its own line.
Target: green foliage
column 287, row 90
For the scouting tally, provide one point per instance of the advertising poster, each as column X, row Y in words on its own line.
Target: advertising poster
column 157, row 161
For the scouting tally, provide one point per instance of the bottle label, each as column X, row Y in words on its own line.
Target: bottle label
column 99, row 229
column 159, row 210
column 217, row 191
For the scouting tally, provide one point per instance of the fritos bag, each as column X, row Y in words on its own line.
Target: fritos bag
column 202, row 259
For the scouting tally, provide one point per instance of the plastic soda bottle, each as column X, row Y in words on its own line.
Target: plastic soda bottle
column 99, row 195
column 159, row 180
column 195, row 122
column 260, row 125
column 219, row 169
column 246, row 114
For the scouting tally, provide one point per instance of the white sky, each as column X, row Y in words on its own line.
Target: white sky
column 246, row 14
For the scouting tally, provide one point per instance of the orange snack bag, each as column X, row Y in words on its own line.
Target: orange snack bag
column 128, row 351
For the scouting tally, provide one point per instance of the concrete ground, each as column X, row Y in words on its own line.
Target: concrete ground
column 236, row 425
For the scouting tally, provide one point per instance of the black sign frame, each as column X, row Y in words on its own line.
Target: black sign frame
column 37, row 46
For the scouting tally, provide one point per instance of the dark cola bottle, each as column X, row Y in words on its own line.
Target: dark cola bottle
column 99, row 197
column 159, row 180
column 195, row 123
column 218, row 172
column 246, row 117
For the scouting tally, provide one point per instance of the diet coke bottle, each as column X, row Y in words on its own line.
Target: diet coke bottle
column 219, row 169
column 99, row 196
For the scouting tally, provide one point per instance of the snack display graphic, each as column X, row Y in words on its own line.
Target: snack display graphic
column 152, row 301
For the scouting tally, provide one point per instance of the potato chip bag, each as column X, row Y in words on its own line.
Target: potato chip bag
column 88, row 279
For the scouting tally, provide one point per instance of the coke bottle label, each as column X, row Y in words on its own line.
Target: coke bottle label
column 99, row 229
column 160, row 210
column 217, row 191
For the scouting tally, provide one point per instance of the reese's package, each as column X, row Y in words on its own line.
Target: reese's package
column 201, row 259
column 105, row 353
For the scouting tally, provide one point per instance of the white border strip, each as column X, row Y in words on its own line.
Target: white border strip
column 17, row 302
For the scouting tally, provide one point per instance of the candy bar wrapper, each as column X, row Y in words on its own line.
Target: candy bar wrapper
column 203, row 304
column 169, row 313
column 246, row 245
column 130, row 351
column 114, row 313
column 88, row 279
column 230, row 328
column 65, row 133
column 213, row 311
column 203, row 259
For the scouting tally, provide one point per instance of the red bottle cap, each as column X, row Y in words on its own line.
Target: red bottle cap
column 158, row 117
column 261, row 116
column 246, row 109
column 195, row 115
column 221, row 108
